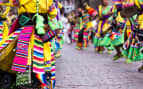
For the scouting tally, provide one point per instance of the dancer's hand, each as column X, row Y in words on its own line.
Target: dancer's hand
column 110, row 13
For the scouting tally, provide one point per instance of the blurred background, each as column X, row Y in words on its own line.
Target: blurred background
column 70, row 5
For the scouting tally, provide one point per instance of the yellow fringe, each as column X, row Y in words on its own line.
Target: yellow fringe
column 99, row 29
column 30, row 49
column 47, row 53
column 5, row 30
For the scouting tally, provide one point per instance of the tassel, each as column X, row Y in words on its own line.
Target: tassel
column 42, row 79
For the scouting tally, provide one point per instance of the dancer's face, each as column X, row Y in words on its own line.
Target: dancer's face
column 105, row 2
column 73, row 13
column 79, row 10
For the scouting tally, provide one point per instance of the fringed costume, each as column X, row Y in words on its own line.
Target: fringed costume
column 59, row 39
column 83, row 31
column 133, row 45
column 32, row 52
column 102, row 26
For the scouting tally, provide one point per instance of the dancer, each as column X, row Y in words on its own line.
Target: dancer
column 133, row 45
column 104, row 11
column 59, row 39
column 72, row 20
column 77, row 29
column 118, row 28
column 30, row 41
column 84, row 31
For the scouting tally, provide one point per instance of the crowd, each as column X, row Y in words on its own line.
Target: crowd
column 117, row 27
column 31, row 39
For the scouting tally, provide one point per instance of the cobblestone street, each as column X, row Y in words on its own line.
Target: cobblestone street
column 89, row 70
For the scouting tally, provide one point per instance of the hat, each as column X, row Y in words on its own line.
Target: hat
column 129, row 11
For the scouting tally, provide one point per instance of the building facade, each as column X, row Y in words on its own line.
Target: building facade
column 68, row 5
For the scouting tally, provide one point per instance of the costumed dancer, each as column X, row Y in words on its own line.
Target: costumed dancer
column 133, row 46
column 90, row 27
column 86, row 27
column 83, row 33
column 59, row 40
column 30, row 41
column 131, row 25
column 72, row 20
column 77, row 27
column 104, row 12
column 118, row 29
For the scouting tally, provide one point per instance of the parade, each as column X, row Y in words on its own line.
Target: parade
column 34, row 33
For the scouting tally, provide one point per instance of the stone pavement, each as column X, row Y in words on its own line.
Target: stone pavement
column 89, row 70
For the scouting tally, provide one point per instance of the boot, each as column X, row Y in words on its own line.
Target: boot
column 140, row 69
column 117, row 56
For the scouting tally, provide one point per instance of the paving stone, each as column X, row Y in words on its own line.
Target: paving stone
column 89, row 70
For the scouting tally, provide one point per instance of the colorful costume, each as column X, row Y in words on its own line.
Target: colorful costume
column 86, row 27
column 118, row 30
column 59, row 39
column 31, row 53
column 76, row 30
column 83, row 31
column 102, row 26
column 133, row 45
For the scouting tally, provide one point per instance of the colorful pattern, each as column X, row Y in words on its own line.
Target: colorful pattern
column 102, row 24
column 76, row 31
column 20, row 62
column 85, row 19
column 118, row 37
column 133, row 46
column 53, row 71
column 133, row 52
column 11, row 38
column 98, row 38
column 42, row 79
column 85, row 38
column 38, row 55
column 1, row 31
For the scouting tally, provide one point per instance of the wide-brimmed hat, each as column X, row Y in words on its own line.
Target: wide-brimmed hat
column 129, row 11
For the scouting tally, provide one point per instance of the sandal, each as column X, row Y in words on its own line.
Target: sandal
column 116, row 57
column 128, row 61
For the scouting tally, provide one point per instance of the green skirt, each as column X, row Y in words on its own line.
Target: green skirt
column 133, row 54
column 106, row 41
column 118, row 41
